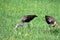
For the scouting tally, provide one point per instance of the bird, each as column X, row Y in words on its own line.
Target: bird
column 50, row 21
column 26, row 19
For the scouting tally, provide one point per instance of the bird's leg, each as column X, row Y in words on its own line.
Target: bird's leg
column 17, row 25
column 49, row 27
column 28, row 25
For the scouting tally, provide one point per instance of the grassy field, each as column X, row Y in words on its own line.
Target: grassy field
column 11, row 12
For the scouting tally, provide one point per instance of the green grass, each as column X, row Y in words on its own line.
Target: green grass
column 11, row 12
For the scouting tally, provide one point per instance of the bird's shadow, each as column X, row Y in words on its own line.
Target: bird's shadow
column 54, row 31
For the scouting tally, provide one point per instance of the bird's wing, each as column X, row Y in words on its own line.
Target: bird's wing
column 51, row 19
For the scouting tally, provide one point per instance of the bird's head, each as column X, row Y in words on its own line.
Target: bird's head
column 35, row 16
column 46, row 16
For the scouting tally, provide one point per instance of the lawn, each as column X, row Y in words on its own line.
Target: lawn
column 11, row 12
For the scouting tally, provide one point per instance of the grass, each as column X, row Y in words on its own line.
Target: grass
column 11, row 12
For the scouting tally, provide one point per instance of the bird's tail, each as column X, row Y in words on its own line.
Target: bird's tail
column 58, row 27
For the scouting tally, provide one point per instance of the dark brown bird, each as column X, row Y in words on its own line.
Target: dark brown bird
column 50, row 21
column 26, row 19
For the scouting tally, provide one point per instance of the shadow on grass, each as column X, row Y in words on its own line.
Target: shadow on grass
column 55, row 31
